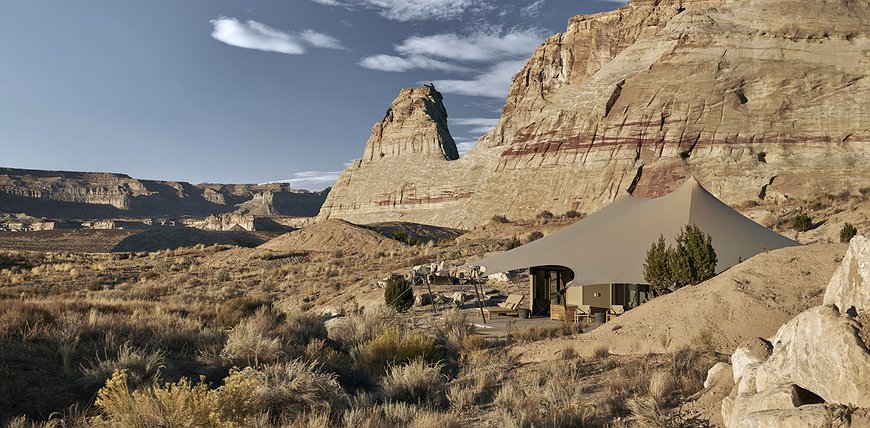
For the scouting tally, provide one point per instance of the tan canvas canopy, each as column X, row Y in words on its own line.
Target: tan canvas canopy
column 610, row 246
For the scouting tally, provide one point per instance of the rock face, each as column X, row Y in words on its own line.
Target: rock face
column 816, row 372
column 759, row 99
column 86, row 195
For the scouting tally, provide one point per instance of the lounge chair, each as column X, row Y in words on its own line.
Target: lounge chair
column 583, row 313
column 508, row 307
column 615, row 311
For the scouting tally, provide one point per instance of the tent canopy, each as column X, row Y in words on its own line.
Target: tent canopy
column 610, row 246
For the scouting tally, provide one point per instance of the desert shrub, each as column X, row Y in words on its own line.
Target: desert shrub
column 655, row 268
column 19, row 318
column 362, row 326
column 689, row 369
column 139, row 365
column 401, row 236
column 802, row 222
column 601, row 351
column 848, row 232
column 649, row 413
column 534, row 236
column 455, row 330
column 299, row 328
column 394, row 346
column 387, row 415
column 416, row 382
column 499, row 219
column 512, row 243
column 573, row 214
column 292, row 389
column 230, row 312
column 252, row 341
column 532, row 334
column 545, row 215
column 660, row 386
column 179, row 404
column 398, row 294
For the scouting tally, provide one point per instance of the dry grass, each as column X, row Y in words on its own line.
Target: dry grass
column 416, row 382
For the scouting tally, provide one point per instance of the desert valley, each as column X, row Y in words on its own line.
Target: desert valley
column 425, row 288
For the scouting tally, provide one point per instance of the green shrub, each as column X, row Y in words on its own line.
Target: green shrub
column 230, row 312
column 512, row 243
column 398, row 294
column 655, row 268
column 802, row 222
column 394, row 346
column 848, row 232
column 691, row 261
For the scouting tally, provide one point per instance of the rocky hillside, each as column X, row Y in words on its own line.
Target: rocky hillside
column 761, row 100
column 88, row 195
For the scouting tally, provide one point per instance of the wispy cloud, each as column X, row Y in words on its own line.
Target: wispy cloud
column 463, row 145
column 255, row 35
column 474, row 121
column 411, row 10
column 320, row 40
column 492, row 83
column 312, row 180
column 397, row 63
column 479, row 47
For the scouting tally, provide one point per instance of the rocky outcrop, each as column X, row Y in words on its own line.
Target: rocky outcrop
column 86, row 195
column 813, row 372
column 759, row 99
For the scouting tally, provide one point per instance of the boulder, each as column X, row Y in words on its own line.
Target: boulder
column 717, row 373
column 753, row 351
column 849, row 288
column 734, row 410
column 499, row 277
column 821, row 351
column 459, row 298
column 808, row 416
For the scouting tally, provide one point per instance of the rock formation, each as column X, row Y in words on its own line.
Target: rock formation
column 759, row 99
column 814, row 371
column 87, row 195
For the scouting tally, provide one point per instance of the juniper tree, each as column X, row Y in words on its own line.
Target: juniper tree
column 655, row 268
column 848, row 232
column 398, row 294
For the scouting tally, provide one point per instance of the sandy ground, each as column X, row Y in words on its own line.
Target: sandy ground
column 333, row 235
column 752, row 299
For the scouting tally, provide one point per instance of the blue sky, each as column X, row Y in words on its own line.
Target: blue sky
column 248, row 91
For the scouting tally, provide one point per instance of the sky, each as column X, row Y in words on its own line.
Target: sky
column 250, row 91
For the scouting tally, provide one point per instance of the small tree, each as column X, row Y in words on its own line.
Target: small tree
column 655, row 269
column 512, row 243
column 848, row 232
column 802, row 222
column 691, row 261
column 398, row 294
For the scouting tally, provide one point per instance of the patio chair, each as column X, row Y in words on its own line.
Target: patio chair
column 508, row 307
column 583, row 313
column 615, row 311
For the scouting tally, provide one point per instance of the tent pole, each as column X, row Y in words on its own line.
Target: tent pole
column 475, row 274
column 431, row 299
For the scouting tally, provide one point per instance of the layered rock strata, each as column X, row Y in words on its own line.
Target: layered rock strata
column 86, row 195
column 760, row 100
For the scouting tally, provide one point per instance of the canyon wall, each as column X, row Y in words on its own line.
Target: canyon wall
column 760, row 100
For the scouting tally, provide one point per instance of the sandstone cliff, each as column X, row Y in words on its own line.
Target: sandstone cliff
column 87, row 195
column 760, row 100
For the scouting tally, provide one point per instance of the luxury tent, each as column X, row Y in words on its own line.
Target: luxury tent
column 597, row 263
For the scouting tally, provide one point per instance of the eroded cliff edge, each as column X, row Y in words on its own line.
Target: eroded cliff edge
column 760, row 100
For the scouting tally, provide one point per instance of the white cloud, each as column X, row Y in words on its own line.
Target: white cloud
column 311, row 180
column 475, row 121
column 492, row 83
column 463, row 145
column 397, row 63
column 411, row 10
column 320, row 40
column 534, row 9
column 254, row 35
column 479, row 47
column 259, row 36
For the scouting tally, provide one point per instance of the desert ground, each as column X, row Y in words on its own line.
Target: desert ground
column 294, row 332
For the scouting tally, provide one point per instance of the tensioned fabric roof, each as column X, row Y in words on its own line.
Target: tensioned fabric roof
column 610, row 246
